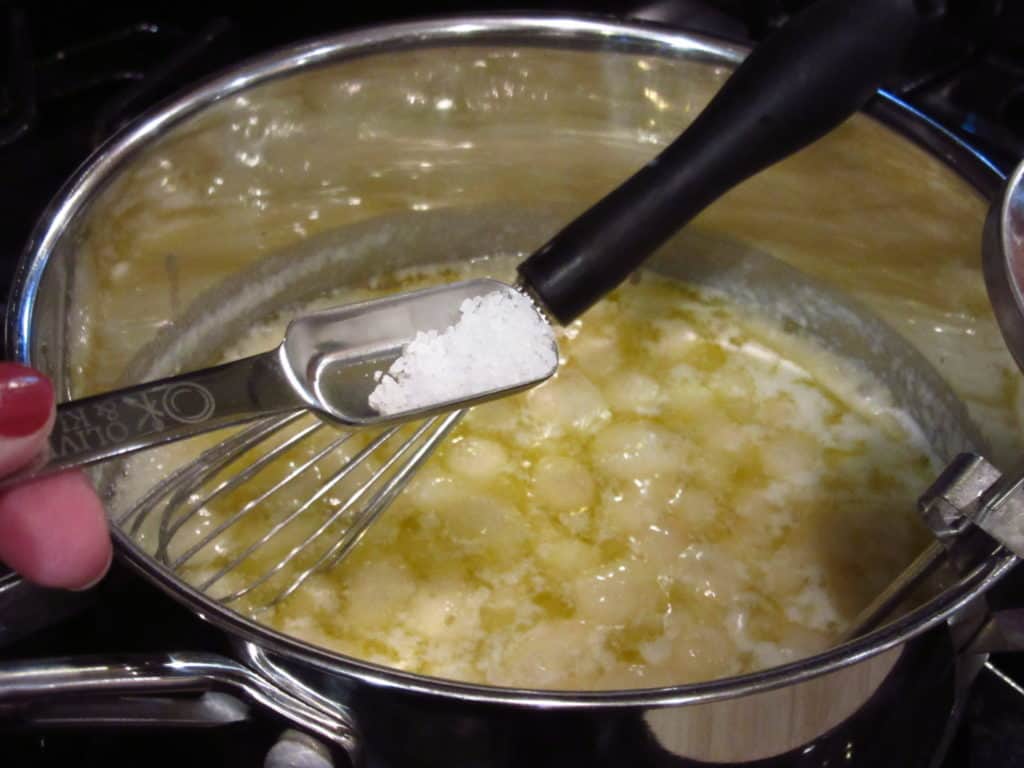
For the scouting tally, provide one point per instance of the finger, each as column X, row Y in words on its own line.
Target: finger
column 53, row 531
column 26, row 415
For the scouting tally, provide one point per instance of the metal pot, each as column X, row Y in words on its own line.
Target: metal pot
column 884, row 698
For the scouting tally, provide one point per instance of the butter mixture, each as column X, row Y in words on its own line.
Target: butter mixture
column 697, row 493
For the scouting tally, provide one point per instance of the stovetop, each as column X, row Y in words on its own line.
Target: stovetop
column 73, row 75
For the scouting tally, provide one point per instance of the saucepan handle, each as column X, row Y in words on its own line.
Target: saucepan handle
column 95, row 691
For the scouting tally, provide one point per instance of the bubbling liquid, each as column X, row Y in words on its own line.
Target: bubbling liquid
column 697, row 493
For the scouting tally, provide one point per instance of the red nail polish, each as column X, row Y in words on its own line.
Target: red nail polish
column 26, row 400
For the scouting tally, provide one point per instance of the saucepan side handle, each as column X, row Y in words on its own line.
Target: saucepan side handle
column 47, row 691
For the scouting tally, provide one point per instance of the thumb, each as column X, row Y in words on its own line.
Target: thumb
column 26, row 415
column 52, row 530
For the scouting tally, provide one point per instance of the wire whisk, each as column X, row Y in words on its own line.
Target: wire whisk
column 304, row 492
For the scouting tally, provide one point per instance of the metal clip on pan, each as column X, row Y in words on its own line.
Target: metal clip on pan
column 975, row 511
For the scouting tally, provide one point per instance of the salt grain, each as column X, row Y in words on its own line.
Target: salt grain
column 499, row 341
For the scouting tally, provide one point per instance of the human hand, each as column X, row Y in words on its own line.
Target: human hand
column 53, row 530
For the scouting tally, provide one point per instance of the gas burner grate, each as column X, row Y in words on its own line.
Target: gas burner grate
column 63, row 93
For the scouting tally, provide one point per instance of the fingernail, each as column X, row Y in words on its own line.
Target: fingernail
column 26, row 400
column 98, row 579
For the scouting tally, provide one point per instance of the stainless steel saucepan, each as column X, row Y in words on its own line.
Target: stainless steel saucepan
column 430, row 127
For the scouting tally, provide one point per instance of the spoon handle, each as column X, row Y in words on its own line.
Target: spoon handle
column 794, row 87
column 117, row 423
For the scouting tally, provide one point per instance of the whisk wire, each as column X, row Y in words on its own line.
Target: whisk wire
column 381, row 500
column 332, row 481
column 190, row 489
column 184, row 477
column 249, row 506
column 187, row 503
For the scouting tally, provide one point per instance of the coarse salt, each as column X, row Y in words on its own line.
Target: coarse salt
column 499, row 341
